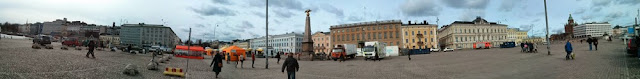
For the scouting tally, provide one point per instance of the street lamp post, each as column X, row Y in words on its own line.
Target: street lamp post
column 267, row 34
column 546, row 18
column 214, row 36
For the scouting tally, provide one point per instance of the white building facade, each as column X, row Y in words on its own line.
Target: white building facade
column 289, row 42
column 463, row 34
column 592, row 29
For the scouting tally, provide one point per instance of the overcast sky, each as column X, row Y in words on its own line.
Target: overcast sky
column 244, row 19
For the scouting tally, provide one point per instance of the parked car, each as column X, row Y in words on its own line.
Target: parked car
column 447, row 49
column 42, row 39
column 434, row 49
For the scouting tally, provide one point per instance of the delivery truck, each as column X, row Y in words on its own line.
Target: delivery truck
column 374, row 50
column 344, row 51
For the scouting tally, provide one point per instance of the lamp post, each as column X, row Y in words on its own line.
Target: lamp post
column 267, row 34
column 214, row 36
column 546, row 18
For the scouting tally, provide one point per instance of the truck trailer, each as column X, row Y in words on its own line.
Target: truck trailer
column 374, row 50
column 344, row 51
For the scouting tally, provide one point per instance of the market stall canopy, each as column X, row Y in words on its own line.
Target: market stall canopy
column 234, row 52
column 192, row 48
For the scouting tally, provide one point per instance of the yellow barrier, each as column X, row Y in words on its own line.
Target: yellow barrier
column 173, row 71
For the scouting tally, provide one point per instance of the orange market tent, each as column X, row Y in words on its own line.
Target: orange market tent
column 196, row 52
column 234, row 52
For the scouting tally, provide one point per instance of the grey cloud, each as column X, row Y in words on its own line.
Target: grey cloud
column 507, row 5
column 354, row 18
column 526, row 27
column 420, row 8
column 185, row 30
column 632, row 2
column 614, row 15
column 246, row 25
column 260, row 14
column 199, row 25
column 536, row 20
column 471, row 14
column 464, row 4
column 212, row 11
column 332, row 9
column 586, row 17
column 597, row 3
column 596, row 9
column 579, row 11
column 283, row 13
column 287, row 4
column 226, row 2
column 228, row 36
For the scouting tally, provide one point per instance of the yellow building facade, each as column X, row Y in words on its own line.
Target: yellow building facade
column 412, row 32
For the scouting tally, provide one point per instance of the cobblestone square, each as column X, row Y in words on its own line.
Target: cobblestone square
column 19, row 61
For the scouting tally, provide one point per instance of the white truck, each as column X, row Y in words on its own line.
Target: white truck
column 374, row 50
column 344, row 50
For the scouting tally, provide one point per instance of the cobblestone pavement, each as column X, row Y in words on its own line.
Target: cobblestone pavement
column 609, row 62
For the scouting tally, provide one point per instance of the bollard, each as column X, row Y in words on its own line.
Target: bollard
column 152, row 66
column 130, row 70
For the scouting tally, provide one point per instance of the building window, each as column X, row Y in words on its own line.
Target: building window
column 406, row 40
column 413, row 40
column 405, row 33
column 412, row 33
column 385, row 35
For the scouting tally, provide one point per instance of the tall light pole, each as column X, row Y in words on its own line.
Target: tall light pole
column 267, row 35
column 546, row 18
column 214, row 36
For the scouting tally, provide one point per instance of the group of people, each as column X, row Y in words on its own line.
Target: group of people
column 592, row 41
column 569, row 49
column 290, row 64
column 528, row 47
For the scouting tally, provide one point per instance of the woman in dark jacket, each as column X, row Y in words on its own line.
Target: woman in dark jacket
column 217, row 63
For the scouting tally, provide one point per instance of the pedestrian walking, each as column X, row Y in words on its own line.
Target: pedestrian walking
column 589, row 40
column 92, row 46
column 217, row 63
column 227, row 57
column 522, row 47
column 278, row 56
column 568, row 48
column 241, row 61
column 291, row 64
column 253, row 59
column 595, row 43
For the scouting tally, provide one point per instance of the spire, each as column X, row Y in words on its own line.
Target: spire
column 570, row 18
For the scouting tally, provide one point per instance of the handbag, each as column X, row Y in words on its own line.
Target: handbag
column 220, row 64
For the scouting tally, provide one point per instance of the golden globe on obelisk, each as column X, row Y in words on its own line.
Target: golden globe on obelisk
column 307, row 43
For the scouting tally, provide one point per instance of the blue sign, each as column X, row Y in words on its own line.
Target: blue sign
column 630, row 30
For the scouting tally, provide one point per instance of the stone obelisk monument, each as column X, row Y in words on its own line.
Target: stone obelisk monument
column 307, row 43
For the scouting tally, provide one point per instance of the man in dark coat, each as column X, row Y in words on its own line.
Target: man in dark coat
column 291, row 64
column 278, row 56
column 595, row 43
column 589, row 40
column 522, row 46
column 217, row 63
column 92, row 46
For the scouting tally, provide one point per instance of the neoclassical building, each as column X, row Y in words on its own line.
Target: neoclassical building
column 411, row 32
column 322, row 42
column 462, row 34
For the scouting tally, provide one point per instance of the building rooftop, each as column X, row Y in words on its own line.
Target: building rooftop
column 143, row 25
column 366, row 23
